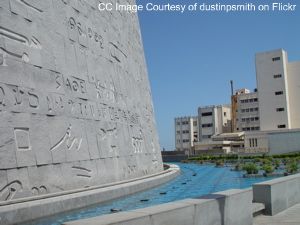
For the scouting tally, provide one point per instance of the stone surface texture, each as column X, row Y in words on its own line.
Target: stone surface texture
column 75, row 100
column 290, row 216
column 232, row 207
column 278, row 194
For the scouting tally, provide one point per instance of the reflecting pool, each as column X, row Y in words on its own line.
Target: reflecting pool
column 195, row 180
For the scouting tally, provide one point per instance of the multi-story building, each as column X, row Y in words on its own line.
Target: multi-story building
column 186, row 133
column 213, row 120
column 247, row 111
column 278, row 83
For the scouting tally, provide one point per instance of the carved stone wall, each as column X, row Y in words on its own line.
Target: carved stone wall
column 75, row 101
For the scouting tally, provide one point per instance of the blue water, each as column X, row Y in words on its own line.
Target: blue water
column 195, row 180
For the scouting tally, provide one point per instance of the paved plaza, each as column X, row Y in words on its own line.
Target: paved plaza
column 291, row 216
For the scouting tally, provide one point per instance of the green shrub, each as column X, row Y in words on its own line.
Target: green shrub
column 250, row 168
column 219, row 163
column 292, row 166
column 268, row 168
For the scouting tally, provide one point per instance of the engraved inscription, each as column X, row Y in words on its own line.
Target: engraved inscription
column 82, row 171
column 108, row 135
column 2, row 97
column 39, row 190
column 30, row 6
column 9, row 191
column 137, row 144
column 68, row 140
column 22, row 139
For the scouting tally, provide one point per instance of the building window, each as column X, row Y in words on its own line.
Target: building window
column 281, row 126
column 178, row 132
column 275, row 59
column 279, row 93
column 206, row 114
column 195, row 123
column 206, row 136
column 186, row 132
column 178, row 123
column 207, row 125
column 224, row 113
column 255, row 99
column 256, row 109
column 277, row 76
column 280, row 109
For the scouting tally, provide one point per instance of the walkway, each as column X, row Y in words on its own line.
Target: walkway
column 291, row 216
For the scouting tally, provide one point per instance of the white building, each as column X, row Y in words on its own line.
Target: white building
column 278, row 83
column 272, row 142
column 186, row 133
column 247, row 111
column 213, row 120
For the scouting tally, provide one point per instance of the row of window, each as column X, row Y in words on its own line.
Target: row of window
column 207, row 125
column 281, row 126
column 253, row 142
column 184, row 132
column 276, row 59
column 184, row 141
column 249, row 110
column 250, row 119
column 249, row 128
column 277, row 76
column 183, row 123
column 206, row 114
column 206, row 136
column 249, row 100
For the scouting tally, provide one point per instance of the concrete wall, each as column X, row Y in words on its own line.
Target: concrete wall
column 75, row 100
column 278, row 194
column 22, row 210
column 222, row 208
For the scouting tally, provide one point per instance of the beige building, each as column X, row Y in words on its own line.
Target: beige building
column 213, row 120
column 278, row 82
column 186, row 133
column 247, row 111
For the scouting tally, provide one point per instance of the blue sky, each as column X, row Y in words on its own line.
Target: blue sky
column 191, row 57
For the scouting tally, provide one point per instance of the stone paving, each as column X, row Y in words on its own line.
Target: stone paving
column 290, row 216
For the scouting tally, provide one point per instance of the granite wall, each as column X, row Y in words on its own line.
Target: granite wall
column 75, row 100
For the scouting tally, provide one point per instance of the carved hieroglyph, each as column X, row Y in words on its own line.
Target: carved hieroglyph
column 75, row 101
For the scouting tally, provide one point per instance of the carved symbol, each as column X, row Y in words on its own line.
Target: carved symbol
column 30, row 6
column 58, row 81
column 137, row 144
column 116, row 53
column 33, row 100
column 1, row 59
column 2, row 96
column 68, row 140
column 35, row 43
column 39, row 190
column 13, row 36
column 18, row 95
column 72, row 23
column 82, row 172
column 8, row 191
column 22, row 139
column 108, row 134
